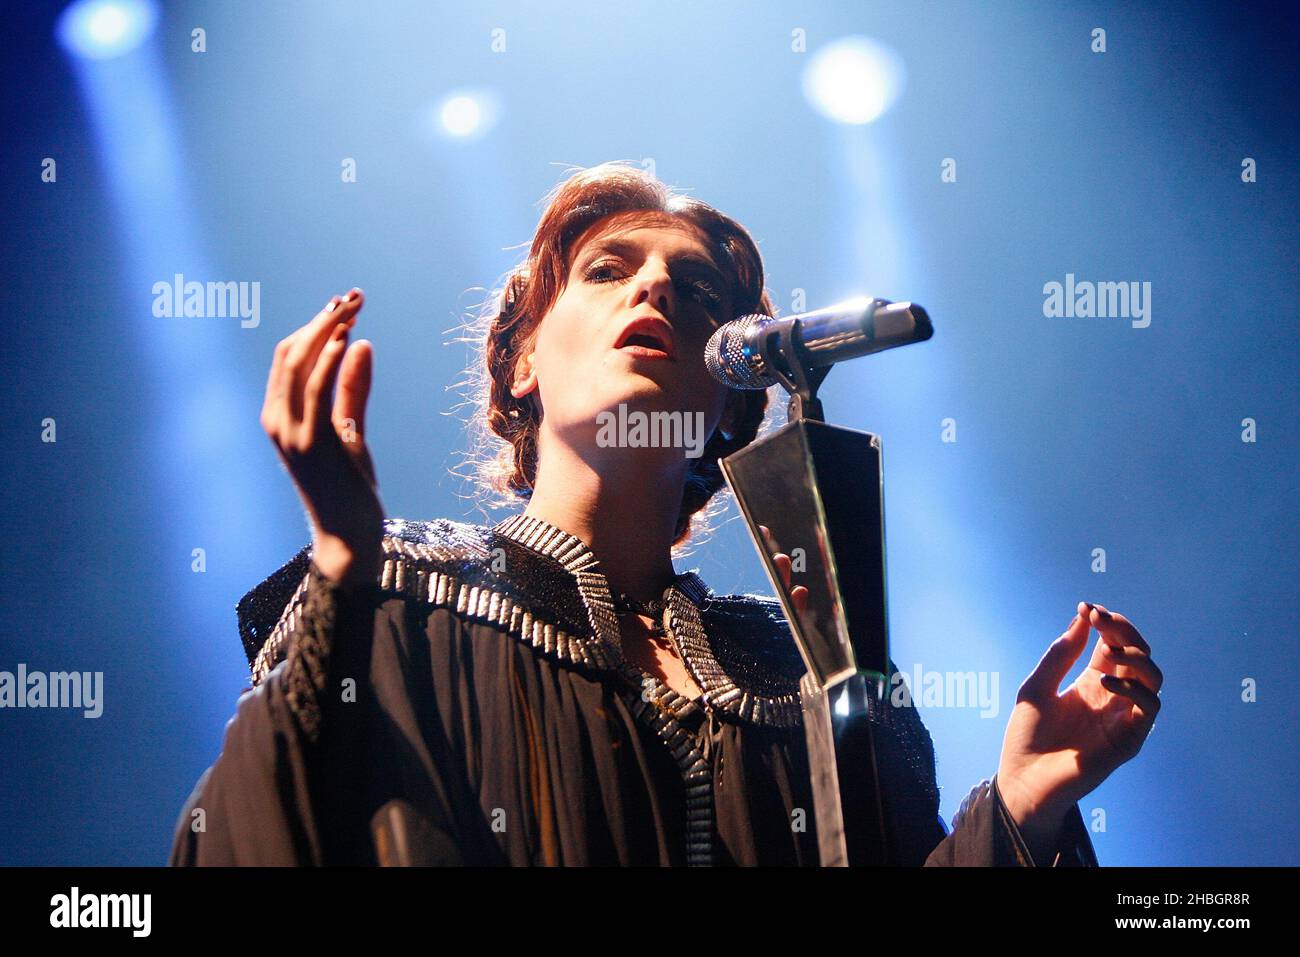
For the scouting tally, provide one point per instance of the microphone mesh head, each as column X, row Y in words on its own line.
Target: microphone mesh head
column 730, row 359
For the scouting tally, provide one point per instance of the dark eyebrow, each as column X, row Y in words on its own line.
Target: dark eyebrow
column 626, row 248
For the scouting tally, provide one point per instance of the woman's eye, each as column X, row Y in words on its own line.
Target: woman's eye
column 701, row 290
column 704, row 293
column 602, row 272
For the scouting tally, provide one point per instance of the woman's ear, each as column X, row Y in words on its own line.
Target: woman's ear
column 727, row 424
column 525, row 380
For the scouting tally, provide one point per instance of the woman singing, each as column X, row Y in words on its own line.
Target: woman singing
column 549, row 690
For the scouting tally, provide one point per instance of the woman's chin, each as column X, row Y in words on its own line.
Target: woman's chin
column 645, row 395
column 636, row 384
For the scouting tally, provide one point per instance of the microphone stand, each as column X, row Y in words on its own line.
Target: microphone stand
column 815, row 492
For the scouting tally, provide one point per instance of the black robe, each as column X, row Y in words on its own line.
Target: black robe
column 473, row 707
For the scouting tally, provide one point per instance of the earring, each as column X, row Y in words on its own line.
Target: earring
column 726, row 433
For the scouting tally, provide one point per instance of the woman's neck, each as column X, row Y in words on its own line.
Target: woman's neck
column 626, row 512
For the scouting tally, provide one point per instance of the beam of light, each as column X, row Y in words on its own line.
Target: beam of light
column 465, row 114
column 105, row 29
column 943, row 624
column 854, row 80
column 186, row 438
column 461, row 115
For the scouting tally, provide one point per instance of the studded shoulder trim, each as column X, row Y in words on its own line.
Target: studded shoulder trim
column 519, row 576
column 444, row 564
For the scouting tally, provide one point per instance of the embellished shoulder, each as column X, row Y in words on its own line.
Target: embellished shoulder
column 468, row 568
column 265, row 607
column 752, row 631
column 740, row 651
column 544, row 587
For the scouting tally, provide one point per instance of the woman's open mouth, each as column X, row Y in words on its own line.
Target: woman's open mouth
column 649, row 337
column 644, row 347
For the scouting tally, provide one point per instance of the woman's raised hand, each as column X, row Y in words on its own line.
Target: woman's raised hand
column 1059, row 747
column 320, row 436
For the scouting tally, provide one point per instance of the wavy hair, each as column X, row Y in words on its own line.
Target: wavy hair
column 504, row 454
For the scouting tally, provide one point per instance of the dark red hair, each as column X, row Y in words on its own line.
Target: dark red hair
column 505, row 459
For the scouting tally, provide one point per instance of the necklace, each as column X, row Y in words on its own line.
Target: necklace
column 657, row 612
column 625, row 602
column 654, row 610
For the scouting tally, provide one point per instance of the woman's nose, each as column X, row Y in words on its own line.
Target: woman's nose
column 654, row 285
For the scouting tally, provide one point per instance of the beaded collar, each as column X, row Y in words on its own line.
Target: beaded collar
column 519, row 575
column 684, row 600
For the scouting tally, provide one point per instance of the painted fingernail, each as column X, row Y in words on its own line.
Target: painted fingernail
column 353, row 293
column 333, row 304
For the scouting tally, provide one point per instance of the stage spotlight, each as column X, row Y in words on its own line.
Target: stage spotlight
column 461, row 115
column 465, row 115
column 854, row 80
column 103, row 29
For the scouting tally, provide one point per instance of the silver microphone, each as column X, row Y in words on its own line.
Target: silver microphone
column 745, row 352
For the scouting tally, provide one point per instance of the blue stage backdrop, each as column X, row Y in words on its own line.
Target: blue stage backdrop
column 1096, row 202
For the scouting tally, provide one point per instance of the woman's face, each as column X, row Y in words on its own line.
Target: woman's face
column 631, row 266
